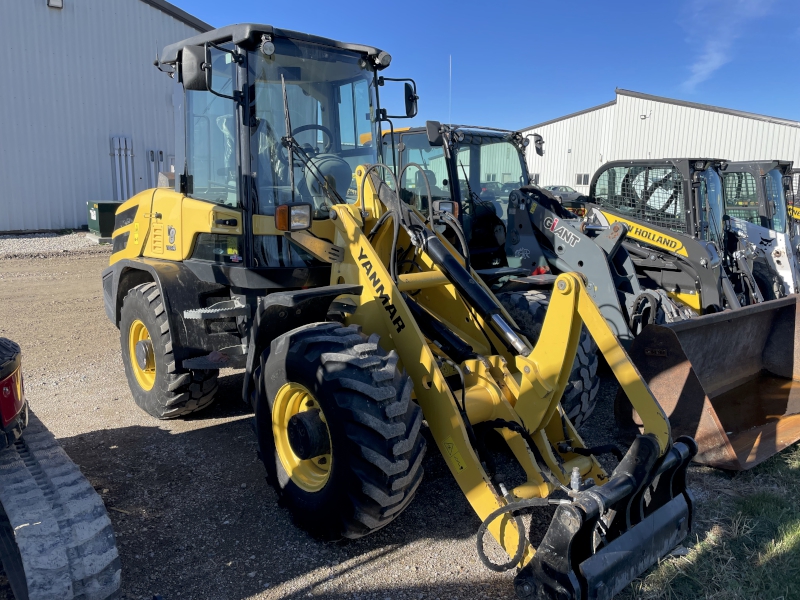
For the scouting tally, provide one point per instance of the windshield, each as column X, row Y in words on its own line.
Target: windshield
column 711, row 204
column 654, row 194
column 773, row 183
column 416, row 149
column 494, row 167
column 331, row 101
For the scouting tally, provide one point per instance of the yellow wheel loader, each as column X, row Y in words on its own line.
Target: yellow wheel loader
column 285, row 249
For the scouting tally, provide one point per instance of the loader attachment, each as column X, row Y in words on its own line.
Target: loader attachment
column 731, row 380
column 653, row 513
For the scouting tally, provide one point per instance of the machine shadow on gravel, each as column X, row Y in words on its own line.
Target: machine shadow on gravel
column 193, row 513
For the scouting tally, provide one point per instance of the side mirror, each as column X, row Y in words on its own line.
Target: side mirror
column 538, row 144
column 196, row 68
column 787, row 183
column 411, row 100
column 434, row 131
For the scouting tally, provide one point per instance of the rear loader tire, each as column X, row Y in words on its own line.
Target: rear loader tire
column 168, row 392
column 528, row 310
column 376, row 447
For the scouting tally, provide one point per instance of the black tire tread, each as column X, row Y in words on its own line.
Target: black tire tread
column 528, row 310
column 179, row 392
column 384, row 447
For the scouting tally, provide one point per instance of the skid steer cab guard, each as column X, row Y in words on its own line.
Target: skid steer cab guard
column 293, row 257
column 757, row 197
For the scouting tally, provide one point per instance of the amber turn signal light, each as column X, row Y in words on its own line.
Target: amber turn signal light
column 293, row 217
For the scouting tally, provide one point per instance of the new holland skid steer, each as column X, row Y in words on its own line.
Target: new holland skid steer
column 355, row 319
column 756, row 204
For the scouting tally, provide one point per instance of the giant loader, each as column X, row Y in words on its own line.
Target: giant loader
column 355, row 319
column 460, row 170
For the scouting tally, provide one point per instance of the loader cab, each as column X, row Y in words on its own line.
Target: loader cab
column 474, row 167
column 270, row 118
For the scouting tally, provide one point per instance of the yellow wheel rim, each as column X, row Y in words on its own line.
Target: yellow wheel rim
column 310, row 475
column 145, row 376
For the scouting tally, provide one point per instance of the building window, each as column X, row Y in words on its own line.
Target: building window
column 582, row 179
column 535, row 178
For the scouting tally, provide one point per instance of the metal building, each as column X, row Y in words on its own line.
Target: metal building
column 641, row 126
column 84, row 114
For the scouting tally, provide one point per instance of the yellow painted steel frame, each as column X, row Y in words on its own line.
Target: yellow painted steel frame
column 526, row 390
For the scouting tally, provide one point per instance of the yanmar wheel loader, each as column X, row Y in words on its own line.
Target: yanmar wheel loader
column 355, row 319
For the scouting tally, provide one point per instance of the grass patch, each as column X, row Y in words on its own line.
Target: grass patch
column 746, row 542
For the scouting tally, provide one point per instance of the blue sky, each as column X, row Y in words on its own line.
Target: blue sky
column 521, row 62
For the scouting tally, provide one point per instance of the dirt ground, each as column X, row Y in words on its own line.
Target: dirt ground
column 193, row 515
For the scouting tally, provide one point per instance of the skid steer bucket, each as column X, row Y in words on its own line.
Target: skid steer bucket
column 731, row 380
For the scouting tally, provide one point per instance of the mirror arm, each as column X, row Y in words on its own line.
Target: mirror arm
column 237, row 96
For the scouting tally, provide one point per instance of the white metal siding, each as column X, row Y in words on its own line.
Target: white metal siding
column 72, row 79
column 581, row 144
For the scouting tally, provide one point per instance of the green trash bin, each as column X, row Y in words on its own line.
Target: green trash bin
column 101, row 217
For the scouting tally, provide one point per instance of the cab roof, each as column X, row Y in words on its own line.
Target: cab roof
column 250, row 33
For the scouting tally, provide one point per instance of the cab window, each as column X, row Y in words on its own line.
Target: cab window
column 211, row 137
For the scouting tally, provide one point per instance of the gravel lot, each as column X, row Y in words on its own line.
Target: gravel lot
column 193, row 514
column 48, row 244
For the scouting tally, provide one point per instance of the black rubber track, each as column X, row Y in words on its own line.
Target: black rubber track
column 528, row 310
column 56, row 540
column 176, row 392
column 377, row 447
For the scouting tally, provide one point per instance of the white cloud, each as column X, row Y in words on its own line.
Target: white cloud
column 719, row 23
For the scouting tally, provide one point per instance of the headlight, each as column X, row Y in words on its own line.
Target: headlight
column 293, row 217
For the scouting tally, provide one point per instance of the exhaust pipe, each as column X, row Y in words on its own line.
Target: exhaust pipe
column 731, row 380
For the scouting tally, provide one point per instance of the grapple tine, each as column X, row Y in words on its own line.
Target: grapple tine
column 610, row 534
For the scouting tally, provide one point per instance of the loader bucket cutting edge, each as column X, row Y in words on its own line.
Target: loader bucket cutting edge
column 731, row 380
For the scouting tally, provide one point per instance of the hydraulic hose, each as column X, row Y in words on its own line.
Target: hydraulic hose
column 456, row 226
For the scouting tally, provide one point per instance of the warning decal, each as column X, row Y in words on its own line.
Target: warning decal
column 454, row 455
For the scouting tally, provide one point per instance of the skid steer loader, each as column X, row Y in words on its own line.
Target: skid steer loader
column 460, row 168
column 725, row 378
column 756, row 205
column 348, row 307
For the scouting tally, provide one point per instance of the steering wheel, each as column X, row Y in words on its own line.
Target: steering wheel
column 326, row 148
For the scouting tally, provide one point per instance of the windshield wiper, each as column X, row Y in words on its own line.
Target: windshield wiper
column 292, row 146
column 472, row 194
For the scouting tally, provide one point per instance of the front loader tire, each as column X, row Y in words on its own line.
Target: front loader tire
column 528, row 310
column 374, row 465
column 160, row 388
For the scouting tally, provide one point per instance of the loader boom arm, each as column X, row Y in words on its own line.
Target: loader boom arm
column 526, row 391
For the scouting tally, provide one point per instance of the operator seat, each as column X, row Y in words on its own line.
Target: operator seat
column 421, row 192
